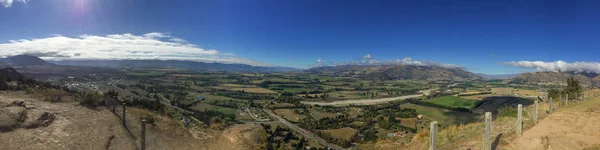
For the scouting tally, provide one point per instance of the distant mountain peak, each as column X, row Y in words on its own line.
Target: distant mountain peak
column 24, row 60
column 549, row 77
column 397, row 72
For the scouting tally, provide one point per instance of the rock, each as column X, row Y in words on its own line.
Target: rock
column 28, row 105
column 10, row 117
column 17, row 103
column 38, row 118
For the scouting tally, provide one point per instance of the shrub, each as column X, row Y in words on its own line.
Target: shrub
column 90, row 98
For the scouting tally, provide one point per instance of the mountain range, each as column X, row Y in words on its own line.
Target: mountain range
column 370, row 72
column 397, row 72
column 557, row 78
column 27, row 60
column 24, row 60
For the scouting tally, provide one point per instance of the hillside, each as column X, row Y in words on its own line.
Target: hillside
column 569, row 127
column 550, row 78
column 193, row 65
column 10, row 73
column 24, row 60
column 397, row 72
column 30, row 123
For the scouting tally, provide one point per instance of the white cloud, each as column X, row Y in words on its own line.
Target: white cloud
column 368, row 56
column 319, row 63
column 8, row 3
column 118, row 46
column 156, row 35
column 368, row 60
column 558, row 66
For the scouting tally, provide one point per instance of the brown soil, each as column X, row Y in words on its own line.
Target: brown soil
column 78, row 127
column 573, row 127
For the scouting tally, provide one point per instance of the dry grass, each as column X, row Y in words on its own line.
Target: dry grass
column 255, row 90
column 408, row 122
column 342, row 133
column 319, row 114
column 476, row 97
column 180, row 75
column 521, row 92
column 354, row 112
column 237, row 86
column 289, row 114
column 276, row 105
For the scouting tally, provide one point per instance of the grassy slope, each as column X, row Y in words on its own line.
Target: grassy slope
column 454, row 101
column 469, row 135
column 442, row 116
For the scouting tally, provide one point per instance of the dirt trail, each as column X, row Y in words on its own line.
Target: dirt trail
column 573, row 127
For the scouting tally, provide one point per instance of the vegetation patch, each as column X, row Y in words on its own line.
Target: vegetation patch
column 320, row 114
column 345, row 133
column 255, row 90
column 408, row 122
column 442, row 116
column 453, row 101
column 208, row 107
column 289, row 114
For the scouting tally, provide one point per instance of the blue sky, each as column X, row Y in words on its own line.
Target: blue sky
column 481, row 36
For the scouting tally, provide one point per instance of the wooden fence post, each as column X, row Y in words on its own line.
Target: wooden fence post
column 124, row 121
column 433, row 135
column 550, row 105
column 143, row 141
column 487, row 139
column 520, row 120
column 535, row 111
column 567, row 100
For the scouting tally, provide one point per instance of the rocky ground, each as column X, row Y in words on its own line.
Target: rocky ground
column 29, row 123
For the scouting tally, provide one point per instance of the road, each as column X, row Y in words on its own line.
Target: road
column 306, row 134
column 361, row 101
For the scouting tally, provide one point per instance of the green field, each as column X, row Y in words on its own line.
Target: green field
column 453, row 101
column 443, row 116
column 145, row 73
column 203, row 106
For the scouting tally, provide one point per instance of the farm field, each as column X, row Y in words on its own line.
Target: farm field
column 520, row 92
column 492, row 104
column 342, row 133
column 204, row 106
column 442, row 116
column 453, row 101
column 210, row 97
column 289, row 114
column 320, row 114
column 354, row 112
column 477, row 97
column 408, row 122
column 254, row 90
column 245, row 88
column 145, row 73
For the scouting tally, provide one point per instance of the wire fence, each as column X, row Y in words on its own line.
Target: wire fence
column 529, row 119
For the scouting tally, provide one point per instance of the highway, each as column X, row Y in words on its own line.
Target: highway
column 306, row 134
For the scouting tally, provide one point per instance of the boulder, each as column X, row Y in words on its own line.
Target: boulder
column 10, row 117
column 38, row 118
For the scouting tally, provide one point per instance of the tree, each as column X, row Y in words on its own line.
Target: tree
column 573, row 87
column 3, row 84
column 370, row 135
column 392, row 118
